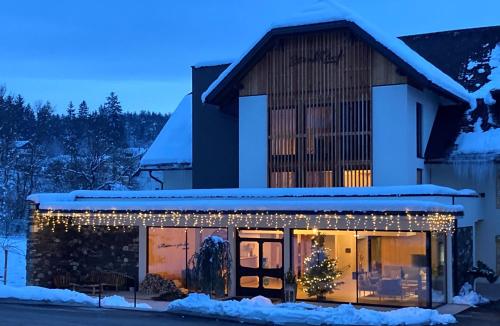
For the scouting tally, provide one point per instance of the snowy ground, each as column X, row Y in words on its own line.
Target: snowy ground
column 468, row 296
column 16, row 271
column 261, row 309
column 63, row 296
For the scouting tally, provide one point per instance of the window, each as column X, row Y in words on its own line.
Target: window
column 378, row 267
column 419, row 131
column 393, row 268
column 170, row 249
column 420, row 176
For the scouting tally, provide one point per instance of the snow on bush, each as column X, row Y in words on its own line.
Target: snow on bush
column 37, row 293
column 469, row 297
column 261, row 309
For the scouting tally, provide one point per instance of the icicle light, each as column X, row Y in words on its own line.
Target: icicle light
column 435, row 222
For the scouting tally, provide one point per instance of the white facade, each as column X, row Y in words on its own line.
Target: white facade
column 177, row 179
column 253, row 141
column 482, row 178
column 395, row 160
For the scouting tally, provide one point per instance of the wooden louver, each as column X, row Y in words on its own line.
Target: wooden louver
column 319, row 106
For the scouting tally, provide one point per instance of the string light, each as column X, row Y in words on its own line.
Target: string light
column 435, row 222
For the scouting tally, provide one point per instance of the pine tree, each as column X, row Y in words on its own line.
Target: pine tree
column 70, row 110
column 321, row 273
column 83, row 110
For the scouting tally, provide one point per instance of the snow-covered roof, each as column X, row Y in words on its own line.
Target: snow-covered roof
column 478, row 141
column 493, row 78
column 396, row 198
column 173, row 145
column 327, row 11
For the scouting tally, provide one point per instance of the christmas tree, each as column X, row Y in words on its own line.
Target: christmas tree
column 321, row 273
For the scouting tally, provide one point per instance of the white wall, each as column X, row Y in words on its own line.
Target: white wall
column 486, row 223
column 253, row 141
column 395, row 159
column 177, row 179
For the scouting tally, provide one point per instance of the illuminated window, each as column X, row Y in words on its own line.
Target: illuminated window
column 357, row 178
column 170, row 249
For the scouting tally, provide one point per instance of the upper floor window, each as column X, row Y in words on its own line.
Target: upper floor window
column 419, row 135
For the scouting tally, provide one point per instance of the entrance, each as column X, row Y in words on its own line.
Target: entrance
column 259, row 256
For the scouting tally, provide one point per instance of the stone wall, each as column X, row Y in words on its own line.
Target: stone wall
column 80, row 252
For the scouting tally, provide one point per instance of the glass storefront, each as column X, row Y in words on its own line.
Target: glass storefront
column 170, row 249
column 377, row 267
column 340, row 245
column 392, row 268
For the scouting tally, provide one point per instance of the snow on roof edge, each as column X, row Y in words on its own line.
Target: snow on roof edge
column 393, row 44
column 255, row 193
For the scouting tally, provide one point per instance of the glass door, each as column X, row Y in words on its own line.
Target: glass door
column 260, row 263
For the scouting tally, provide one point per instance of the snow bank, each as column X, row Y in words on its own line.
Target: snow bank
column 325, row 11
column 261, row 309
column 173, row 144
column 118, row 301
column 468, row 296
column 37, row 293
column 43, row 294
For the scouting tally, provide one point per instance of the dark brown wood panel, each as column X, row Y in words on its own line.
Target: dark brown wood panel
column 319, row 100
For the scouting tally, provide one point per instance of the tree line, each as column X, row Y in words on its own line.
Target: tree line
column 84, row 148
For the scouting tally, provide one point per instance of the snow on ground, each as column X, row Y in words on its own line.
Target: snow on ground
column 469, row 297
column 16, row 266
column 261, row 309
column 37, row 293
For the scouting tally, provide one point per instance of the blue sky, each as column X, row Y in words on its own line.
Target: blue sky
column 62, row 50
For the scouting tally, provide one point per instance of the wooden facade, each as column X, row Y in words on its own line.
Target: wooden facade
column 319, row 106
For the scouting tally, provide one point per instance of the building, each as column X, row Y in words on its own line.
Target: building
column 169, row 163
column 326, row 126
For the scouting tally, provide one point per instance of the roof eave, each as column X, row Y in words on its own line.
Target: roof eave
column 217, row 94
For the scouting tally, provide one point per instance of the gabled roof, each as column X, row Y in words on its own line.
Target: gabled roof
column 327, row 15
column 172, row 148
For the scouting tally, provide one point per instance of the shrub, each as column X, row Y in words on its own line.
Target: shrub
column 155, row 284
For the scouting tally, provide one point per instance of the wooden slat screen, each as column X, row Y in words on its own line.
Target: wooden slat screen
column 319, row 100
